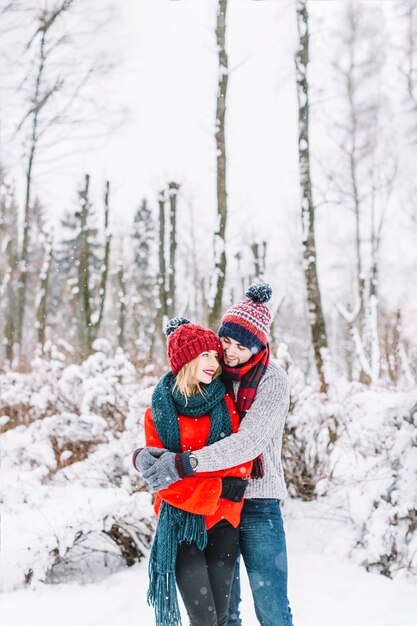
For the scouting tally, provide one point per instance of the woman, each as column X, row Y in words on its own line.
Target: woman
column 196, row 540
column 261, row 391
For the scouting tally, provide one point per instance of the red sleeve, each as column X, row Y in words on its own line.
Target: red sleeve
column 151, row 436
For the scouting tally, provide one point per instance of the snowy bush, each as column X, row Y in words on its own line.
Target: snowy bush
column 71, row 531
column 358, row 447
column 103, row 384
column 73, row 506
column 311, row 430
column 376, row 459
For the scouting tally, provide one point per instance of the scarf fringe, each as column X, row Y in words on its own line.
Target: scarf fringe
column 193, row 530
column 164, row 600
column 174, row 527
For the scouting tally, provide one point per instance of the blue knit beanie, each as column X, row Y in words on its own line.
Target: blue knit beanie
column 248, row 322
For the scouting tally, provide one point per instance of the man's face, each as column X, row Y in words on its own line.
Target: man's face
column 234, row 353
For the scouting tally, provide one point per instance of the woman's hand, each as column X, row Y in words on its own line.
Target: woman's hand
column 144, row 458
column 161, row 468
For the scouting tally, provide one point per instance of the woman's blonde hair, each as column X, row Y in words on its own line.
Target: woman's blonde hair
column 186, row 380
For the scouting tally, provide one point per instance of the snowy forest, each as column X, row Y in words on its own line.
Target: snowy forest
column 155, row 159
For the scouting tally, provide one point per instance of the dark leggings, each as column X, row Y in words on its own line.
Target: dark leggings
column 204, row 577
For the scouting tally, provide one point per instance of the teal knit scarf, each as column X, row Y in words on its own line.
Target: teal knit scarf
column 174, row 525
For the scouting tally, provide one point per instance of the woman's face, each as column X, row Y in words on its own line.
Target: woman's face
column 234, row 353
column 208, row 363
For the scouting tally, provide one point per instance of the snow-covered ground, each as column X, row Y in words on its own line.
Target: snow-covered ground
column 67, row 476
column 326, row 588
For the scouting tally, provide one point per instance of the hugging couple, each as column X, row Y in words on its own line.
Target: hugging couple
column 213, row 458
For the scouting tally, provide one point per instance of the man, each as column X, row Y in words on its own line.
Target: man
column 261, row 392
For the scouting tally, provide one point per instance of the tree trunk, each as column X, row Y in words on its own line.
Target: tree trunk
column 41, row 312
column 316, row 318
column 259, row 257
column 162, row 316
column 7, row 288
column 9, row 266
column 392, row 347
column 172, row 191
column 36, row 102
column 84, row 319
column 105, row 266
column 23, row 256
column 121, row 339
column 353, row 156
column 219, row 277
column 411, row 64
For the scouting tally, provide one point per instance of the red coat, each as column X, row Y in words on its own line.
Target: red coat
column 200, row 493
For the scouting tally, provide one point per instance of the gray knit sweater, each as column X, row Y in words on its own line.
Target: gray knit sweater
column 259, row 433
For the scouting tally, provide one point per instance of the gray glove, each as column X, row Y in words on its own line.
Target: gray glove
column 161, row 468
column 144, row 458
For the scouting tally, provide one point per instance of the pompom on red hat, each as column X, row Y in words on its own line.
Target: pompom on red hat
column 186, row 341
column 248, row 322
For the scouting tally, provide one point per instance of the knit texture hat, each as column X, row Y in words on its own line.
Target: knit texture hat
column 248, row 322
column 187, row 341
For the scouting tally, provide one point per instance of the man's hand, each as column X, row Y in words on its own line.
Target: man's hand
column 161, row 468
column 233, row 488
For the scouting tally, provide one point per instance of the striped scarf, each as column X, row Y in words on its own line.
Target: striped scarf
column 174, row 525
column 249, row 375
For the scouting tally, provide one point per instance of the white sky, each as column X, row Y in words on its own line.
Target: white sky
column 167, row 80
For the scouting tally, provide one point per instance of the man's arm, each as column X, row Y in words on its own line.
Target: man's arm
column 262, row 422
column 161, row 468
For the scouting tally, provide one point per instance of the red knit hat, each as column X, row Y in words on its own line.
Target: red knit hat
column 187, row 341
column 248, row 322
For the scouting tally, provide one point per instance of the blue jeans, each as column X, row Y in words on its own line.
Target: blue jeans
column 262, row 546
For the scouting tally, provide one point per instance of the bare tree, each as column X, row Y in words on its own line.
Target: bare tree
column 40, row 99
column 42, row 299
column 358, row 131
column 220, row 261
column 55, row 92
column 408, row 72
column 173, row 189
column 121, row 283
column 409, row 66
column 167, row 256
column 8, row 264
column 366, row 173
column 316, row 317
column 85, row 263
column 106, row 262
column 141, row 284
column 259, row 258
column 163, row 297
